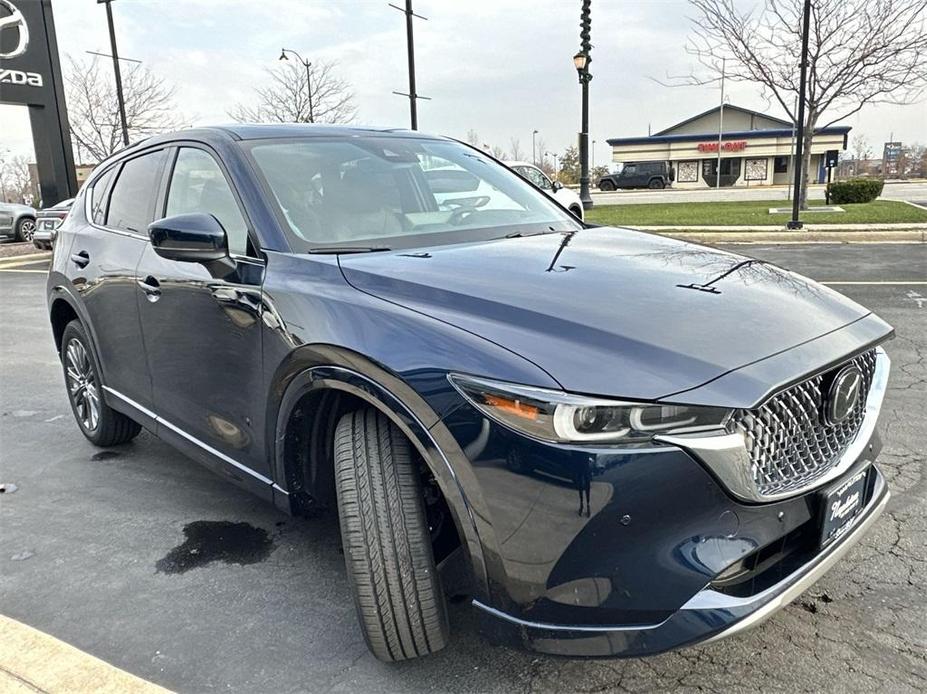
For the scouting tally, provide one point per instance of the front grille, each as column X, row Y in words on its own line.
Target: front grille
column 789, row 443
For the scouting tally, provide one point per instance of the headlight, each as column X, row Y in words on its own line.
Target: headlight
column 553, row 415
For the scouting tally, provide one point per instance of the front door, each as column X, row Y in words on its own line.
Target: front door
column 203, row 331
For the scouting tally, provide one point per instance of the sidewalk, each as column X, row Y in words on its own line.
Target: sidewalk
column 31, row 661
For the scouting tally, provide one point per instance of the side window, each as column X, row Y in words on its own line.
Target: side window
column 537, row 178
column 131, row 204
column 98, row 196
column 629, row 170
column 198, row 185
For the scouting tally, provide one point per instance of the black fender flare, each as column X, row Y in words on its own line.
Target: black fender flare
column 318, row 367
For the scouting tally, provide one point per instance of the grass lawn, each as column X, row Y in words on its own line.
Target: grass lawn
column 682, row 214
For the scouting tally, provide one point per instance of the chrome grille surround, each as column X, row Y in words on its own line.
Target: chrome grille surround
column 789, row 444
column 774, row 467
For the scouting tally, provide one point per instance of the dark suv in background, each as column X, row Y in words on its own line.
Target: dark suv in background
column 640, row 174
column 615, row 443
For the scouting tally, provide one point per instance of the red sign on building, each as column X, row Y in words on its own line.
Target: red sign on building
column 732, row 146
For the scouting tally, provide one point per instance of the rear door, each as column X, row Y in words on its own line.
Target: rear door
column 101, row 266
column 203, row 331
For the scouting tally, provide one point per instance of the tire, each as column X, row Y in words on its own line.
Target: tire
column 656, row 184
column 606, row 185
column 577, row 212
column 25, row 229
column 102, row 425
column 387, row 547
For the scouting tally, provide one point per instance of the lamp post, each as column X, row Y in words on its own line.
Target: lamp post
column 581, row 61
column 534, row 148
column 119, row 97
column 795, row 223
column 307, row 64
column 593, row 153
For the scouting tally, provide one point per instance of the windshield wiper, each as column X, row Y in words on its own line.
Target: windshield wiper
column 522, row 235
column 329, row 250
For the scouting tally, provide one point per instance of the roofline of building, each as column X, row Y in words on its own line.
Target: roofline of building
column 716, row 108
column 727, row 135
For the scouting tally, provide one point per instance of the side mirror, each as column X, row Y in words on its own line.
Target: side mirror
column 189, row 238
column 556, row 185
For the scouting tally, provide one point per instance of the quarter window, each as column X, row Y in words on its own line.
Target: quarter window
column 131, row 205
column 98, row 196
column 198, row 185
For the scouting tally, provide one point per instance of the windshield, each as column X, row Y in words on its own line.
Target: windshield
column 397, row 192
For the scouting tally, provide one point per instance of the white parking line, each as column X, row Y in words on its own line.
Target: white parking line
column 11, row 269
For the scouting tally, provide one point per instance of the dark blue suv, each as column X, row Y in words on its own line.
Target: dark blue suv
column 614, row 443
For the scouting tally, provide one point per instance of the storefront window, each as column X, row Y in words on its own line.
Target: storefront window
column 781, row 165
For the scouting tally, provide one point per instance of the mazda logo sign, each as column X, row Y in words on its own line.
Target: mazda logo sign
column 14, row 21
column 843, row 394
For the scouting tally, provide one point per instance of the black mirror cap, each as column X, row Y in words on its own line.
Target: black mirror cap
column 191, row 238
column 556, row 185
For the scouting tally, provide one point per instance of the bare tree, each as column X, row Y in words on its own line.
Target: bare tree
column 473, row 137
column 287, row 99
column 15, row 181
column 93, row 109
column 860, row 52
column 497, row 151
column 860, row 148
column 515, row 150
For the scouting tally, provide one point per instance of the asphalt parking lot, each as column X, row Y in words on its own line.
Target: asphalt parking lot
column 88, row 549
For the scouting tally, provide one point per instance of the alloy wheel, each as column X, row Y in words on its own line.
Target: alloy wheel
column 27, row 229
column 82, row 385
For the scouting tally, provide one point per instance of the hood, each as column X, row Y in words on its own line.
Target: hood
column 610, row 311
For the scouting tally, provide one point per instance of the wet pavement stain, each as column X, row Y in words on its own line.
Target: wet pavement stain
column 209, row 541
column 105, row 455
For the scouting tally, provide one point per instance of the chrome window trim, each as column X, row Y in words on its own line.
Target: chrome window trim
column 192, row 439
column 727, row 457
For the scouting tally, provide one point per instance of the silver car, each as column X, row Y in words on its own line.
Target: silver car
column 17, row 221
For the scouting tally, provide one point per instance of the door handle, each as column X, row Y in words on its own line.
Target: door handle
column 81, row 259
column 151, row 287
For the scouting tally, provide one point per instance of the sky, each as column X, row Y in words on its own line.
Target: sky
column 500, row 67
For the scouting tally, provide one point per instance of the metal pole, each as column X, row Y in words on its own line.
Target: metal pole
column 309, row 89
column 795, row 223
column 792, row 149
column 720, row 125
column 593, row 154
column 585, row 78
column 534, row 148
column 119, row 97
column 410, row 45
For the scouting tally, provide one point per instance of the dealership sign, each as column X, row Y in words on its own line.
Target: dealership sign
column 30, row 76
column 731, row 146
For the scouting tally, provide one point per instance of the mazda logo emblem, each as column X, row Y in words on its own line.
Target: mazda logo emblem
column 14, row 20
column 843, row 394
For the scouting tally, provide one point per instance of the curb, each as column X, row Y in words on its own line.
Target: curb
column 31, row 661
column 901, row 236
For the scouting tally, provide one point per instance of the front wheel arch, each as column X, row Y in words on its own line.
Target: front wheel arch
column 322, row 379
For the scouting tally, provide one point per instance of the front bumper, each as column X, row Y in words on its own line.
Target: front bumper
column 709, row 615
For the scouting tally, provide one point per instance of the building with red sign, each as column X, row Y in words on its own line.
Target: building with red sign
column 756, row 149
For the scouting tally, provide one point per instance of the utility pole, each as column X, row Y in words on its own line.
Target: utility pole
column 410, row 49
column 118, row 73
column 581, row 61
column 720, row 124
column 795, row 223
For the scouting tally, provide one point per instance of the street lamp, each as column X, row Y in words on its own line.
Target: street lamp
column 534, row 148
column 307, row 64
column 581, row 62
